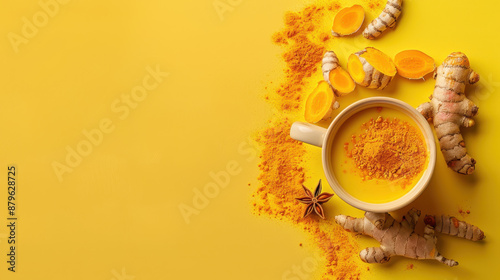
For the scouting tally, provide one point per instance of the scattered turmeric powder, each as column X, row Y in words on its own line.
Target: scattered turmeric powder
column 324, row 37
column 282, row 174
column 373, row 4
column 335, row 6
column 305, row 45
column 282, row 166
column 388, row 149
column 463, row 213
column 281, row 169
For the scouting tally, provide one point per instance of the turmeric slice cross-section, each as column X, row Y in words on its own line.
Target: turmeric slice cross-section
column 348, row 21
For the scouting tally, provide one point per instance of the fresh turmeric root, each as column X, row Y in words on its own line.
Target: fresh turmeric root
column 371, row 68
column 320, row 103
column 335, row 76
column 396, row 238
column 386, row 19
column 348, row 21
column 455, row 227
column 450, row 109
column 413, row 64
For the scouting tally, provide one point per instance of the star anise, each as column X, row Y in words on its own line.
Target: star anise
column 314, row 201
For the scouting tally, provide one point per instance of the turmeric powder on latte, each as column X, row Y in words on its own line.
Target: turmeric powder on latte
column 389, row 149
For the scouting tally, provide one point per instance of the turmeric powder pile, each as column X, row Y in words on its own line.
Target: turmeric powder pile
column 305, row 45
column 282, row 175
column 282, row 166
column 282, row 172
column 389, row 149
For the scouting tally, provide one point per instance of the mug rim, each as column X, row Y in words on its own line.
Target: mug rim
column 417, row 188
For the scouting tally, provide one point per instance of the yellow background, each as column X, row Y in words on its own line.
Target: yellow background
column 117, row 213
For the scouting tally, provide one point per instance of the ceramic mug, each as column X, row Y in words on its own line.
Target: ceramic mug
column 323, row 138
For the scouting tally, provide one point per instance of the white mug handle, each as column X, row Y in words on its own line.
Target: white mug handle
column 308, row 133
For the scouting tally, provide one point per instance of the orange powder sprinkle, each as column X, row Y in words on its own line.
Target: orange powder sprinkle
column 281, row 170
column 282, row 166
column 464, row 213
column 304, row 50
column 323, row 37
column 374, row 4
column 281, row 176
column 334, row 6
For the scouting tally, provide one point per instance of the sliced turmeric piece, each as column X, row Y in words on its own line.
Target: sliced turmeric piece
column 348, row 21
column 341, row 81
column 413, row 64
column 371, row 68
column 355, row 68
column 335, row 76
column 320, row 103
